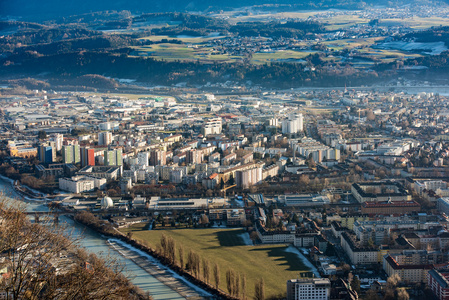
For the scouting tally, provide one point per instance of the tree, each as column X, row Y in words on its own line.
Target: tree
column 204, row 220
column 259, row 293
column 231, row 180
column 35, row 268
column 236, row 287
column 401, row 294
column 206, row 270
column 171, row 250
column 355, row 284
column 42, row 135
column 181, row 256
column 392, row 282
column 372, row 295
column 164, row 245
column 216, row 272
column 243, row 281
column 230, row 281
column 304, row 181
column 254, row 236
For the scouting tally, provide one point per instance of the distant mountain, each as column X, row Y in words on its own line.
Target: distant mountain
column 51, row 9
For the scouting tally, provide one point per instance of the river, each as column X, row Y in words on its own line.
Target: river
column 95, row 243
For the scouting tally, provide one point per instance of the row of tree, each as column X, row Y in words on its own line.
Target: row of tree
column 236, row 283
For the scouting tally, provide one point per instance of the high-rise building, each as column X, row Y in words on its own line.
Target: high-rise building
column 113, row 157
column 59, row 140
column 213, row 126
column 308, row 289
column 158, row 158
column 71, row 154
column 104, row 138
column 293, row 124
column 246, row 178
column 143, row 159
column 194, row 157
column 47, row 152
column 87, row 157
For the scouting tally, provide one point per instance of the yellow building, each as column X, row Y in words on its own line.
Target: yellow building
column 348, row 222
column 174, row 138
column 23, row 152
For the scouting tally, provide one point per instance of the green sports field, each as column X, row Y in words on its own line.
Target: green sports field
column 226, row 248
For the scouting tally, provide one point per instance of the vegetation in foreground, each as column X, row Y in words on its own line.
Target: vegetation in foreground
column 224, row 249
column 40, row 262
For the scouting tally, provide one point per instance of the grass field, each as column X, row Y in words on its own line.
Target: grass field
column 193, row 40
column 225, row 247
column 415, row 22
column 171, row 52
column 343, row 22
column 260, row 58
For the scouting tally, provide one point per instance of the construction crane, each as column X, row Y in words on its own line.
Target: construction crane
column 227, row 188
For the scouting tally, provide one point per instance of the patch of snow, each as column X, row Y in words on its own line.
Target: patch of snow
column 305, row 261
column 434, row 48
column 124, row 80
column 246, row 239
column 223, row 225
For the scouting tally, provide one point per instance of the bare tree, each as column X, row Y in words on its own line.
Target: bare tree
column 181, row 256
column 171, row 250
column 392, row 282
column 193, row 262
column 230, row 281
column 216, row 275
column 401, row 294
column 260, row 290
column 197, row 265
column 243, row 281
column 164, row 244
column 206, row 273
column 236, row 288
column 304, row 181
column 43, row 263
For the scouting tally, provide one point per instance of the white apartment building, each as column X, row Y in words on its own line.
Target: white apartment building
column 293, row 124
column 81, row 184
column 143, row 159
column 104, row 138
column 318, row 151
column 358, row 255
column 247, row 178
column 213, row 126
column 308, row 289
column 433, row 185
column 443, row 205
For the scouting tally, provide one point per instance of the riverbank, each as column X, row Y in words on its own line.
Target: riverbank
column 148, row 252
column 96, row 243
column 27, row 193
column 163, row 274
